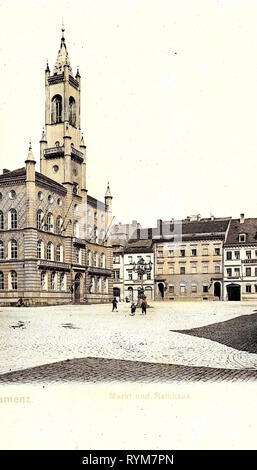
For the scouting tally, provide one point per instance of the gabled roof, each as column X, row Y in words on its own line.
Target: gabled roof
column 249, row 227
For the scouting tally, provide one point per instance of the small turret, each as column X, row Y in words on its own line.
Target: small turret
column 30, row 157
column 108, row 198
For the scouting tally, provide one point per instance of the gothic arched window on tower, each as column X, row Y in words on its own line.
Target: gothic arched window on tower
column 1, row 220
column 72, row 111
column 1, row 250
column 56, row 109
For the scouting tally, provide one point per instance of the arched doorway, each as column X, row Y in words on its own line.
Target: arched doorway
column 161, row 290
column 234, row 292
column 130, row 294
column 78, row 292
column 217, row 289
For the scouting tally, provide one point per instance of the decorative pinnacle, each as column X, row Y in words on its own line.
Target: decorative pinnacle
column 108, row 191
column 30, row 157
column 63, row 29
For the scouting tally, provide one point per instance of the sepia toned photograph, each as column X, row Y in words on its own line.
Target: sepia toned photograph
column 128, row 225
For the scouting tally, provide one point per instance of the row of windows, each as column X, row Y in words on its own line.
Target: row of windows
column 250, row 289
column 12, row 280
column 194, row 252
column 54, row 281
column 186, row 289
column 11, row 194
column 235, row 272
column 47, row 224
column 193, row 269
column 50, row 199
column 57, row 110
column 12, row 220
column 98, row 284
column 49, row 251
column 12, row 249
column 95, row 259
column 236, row 254
column 130, row 275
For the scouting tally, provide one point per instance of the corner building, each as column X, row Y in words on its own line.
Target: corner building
column 53, row 246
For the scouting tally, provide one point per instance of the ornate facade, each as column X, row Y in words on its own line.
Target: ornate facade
column 53, row 246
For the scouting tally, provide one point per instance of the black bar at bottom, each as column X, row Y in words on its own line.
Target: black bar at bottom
column 129, row 458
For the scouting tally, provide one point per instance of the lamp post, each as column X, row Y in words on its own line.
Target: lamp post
column 141, row 268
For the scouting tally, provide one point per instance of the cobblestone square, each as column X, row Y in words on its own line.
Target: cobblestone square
column 89, row 343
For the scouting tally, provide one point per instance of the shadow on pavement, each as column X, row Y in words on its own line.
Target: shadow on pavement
column 238, row 333
column 95, row 370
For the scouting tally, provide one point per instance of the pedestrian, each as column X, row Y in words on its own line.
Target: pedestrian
column 143, row 306
column 114, row 305
column 133, row 308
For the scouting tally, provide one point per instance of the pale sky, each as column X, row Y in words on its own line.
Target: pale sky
column 169, row 98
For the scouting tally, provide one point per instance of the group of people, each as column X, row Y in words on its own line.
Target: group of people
column 133, row 307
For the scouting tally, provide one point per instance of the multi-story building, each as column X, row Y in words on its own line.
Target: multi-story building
column 133, row 281
column 118, row 268
column 240, row 260
column 189, row 260
column 119, row 235
column 53, row 245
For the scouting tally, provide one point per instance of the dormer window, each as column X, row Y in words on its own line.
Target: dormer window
column 242, row 237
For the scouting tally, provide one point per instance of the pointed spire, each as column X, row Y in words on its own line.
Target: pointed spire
column 63, row 29
column 30, row 157
column 77, row 74
column 108, row 191
column 82, row 139
column 47, row 66
column 62, row 57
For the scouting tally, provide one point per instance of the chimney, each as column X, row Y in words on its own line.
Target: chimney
column 242, row 218
column 159, row 226
column 5, row 171
column 212, row 217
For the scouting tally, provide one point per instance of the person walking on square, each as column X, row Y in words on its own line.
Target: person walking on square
column 114, row 305
column 133, row 308
column 143, row 306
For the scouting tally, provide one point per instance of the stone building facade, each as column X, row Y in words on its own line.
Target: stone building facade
column 240, row 260
column 189, row 261
column 134, row 283
column 53, row 243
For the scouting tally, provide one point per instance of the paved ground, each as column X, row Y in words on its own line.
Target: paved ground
column 191, row 341
column 95, row 370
